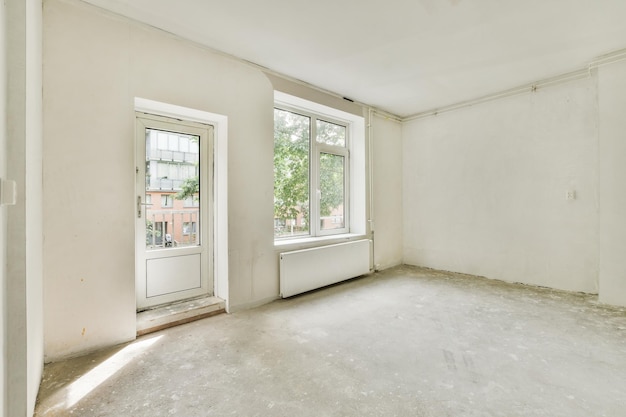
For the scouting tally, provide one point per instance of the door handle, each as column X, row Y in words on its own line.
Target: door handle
column 139, row 204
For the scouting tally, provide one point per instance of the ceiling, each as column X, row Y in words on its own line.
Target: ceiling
column 401, row 56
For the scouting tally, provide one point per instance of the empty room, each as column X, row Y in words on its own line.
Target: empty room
column 313, row 208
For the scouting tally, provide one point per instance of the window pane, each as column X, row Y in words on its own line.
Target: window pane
column 166, row 200
column 194, row 147
column 291, row 173
column 173, row 217
column 331, row 133
column 189, row 228
column 184, row 144
column 173, row 142
column 162, row 140
column 332, row 183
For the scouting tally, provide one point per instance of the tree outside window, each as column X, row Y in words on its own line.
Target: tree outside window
column 302, row 183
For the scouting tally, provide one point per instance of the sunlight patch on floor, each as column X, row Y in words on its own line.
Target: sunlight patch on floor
column 77, row 390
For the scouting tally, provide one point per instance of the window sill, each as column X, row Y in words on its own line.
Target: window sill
column 311, row 242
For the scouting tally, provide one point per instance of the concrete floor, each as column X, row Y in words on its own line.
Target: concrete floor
column 403, row 342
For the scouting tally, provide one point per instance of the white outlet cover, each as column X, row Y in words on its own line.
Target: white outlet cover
column 8, row 193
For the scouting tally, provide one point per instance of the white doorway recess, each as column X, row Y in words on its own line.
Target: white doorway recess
column 182, row 246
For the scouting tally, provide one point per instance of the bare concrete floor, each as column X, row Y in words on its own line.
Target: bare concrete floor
column 403, row 342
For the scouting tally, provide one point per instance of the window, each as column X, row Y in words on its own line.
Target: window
column 171, row 159
column 167, row 200
column 311, row 173
column 189, row 228
column 192, row 201
column 155, row 233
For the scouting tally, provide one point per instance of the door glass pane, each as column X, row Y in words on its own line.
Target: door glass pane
column 291, row 174
column 331, row 133
column 172, row 195
column 332, row 191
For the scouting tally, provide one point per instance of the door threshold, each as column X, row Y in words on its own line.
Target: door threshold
column 171, row 315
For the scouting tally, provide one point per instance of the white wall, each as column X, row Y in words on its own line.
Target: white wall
column 612, row 93
column 485, row 188
column 34, row 204
column 95, row 64
column 387, row 191
column 3, row 212
column 24, row 220
column 88, row 162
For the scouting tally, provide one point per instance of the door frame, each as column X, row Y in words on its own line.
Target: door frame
column 220, row 182
column 143, row 255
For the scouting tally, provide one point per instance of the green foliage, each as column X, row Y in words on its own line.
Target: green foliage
column 330, row 133
column 331, row 182
column 150, row 232
column 190, row 188
column 291, row 166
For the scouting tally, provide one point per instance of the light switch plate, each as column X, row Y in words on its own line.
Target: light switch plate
column 8, row 192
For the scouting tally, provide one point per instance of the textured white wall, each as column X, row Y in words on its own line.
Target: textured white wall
column 387, row 191
column 24, row 223
column 485, row 189
column 612, row 93
column 34, row 199
column 3, row 211
column 95, row 65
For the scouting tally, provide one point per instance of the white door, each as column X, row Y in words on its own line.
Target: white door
column 173, row 210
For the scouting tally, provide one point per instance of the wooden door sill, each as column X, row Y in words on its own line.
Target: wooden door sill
column 170, row 315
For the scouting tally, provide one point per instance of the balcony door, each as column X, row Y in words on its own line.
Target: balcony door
column 174, row 188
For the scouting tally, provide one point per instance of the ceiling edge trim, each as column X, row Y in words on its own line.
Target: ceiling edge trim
column 597, row 62
column 609, row 58
column 523, row 89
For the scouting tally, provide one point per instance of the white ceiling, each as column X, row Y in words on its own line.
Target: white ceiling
column 402, row 56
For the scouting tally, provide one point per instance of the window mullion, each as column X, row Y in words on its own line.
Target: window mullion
column 314, row 215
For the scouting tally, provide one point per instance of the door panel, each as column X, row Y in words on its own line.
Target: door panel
column 170, row 275
column 174, row 219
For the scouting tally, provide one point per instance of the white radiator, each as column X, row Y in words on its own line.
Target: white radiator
column 309, row 269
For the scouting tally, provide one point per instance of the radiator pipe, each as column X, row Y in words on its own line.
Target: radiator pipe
column 370, row 168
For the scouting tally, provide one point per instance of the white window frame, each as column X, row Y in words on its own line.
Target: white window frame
column 354, row 175
column 344, row 151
